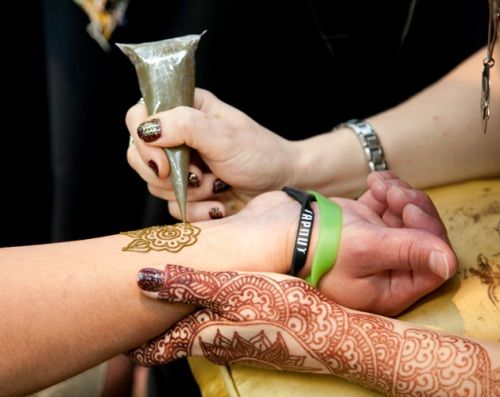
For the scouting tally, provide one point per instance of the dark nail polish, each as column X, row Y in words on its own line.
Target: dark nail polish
column 150, row 130
column 193, row 180
column 215, row 213
column 153, row 166
column 220, row 186
column 150, row 279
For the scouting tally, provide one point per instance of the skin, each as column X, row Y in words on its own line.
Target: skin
column 63, row 303
column 427, row 141
column 278, row 322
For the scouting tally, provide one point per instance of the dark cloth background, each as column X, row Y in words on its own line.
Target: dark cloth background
column 63, row 166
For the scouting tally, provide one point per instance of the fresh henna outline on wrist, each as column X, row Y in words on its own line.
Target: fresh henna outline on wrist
column 289, row 325
column 171, row 238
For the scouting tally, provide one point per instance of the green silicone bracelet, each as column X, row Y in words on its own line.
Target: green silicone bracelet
column 330, row 228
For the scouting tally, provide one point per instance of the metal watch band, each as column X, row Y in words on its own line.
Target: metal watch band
column 369, row 141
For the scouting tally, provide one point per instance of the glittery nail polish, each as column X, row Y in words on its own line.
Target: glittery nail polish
column 150, row 279
column 193, row 180
column 220, row 186
column 152, row 164
column 149, row 130
column 215, row 213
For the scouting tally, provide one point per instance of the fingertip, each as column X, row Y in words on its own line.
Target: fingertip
column 199, row 211
column 442, row 263
column 135, row 115
column 151, row 280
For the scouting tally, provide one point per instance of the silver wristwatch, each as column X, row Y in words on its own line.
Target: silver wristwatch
column 369, row 141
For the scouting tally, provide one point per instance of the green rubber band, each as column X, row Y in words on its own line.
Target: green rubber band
column 330, row 228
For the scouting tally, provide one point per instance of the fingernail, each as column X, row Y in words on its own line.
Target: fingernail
column 220, row 186
column 193, row 180
column 439, row 264
column 413, row 209
column 215, row 213
column 404, row 193
column 379, row 185
column 150, row 279
column 153, row 166
column 150, row 130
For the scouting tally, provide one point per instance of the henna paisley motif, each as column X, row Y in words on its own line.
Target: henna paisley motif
column 171, row 238
column 288, row 325
column 431, row 364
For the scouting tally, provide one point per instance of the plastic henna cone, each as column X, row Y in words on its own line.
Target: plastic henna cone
column 166, row 73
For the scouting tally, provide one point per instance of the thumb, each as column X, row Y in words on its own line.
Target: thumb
column 188, row 126
column 415, row 250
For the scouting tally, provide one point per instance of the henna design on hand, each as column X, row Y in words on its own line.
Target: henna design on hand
column 171, row 238
column 286, row 324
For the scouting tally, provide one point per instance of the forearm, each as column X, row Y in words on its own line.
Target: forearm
column 66, row 307
column 433, row 138
column 283, row 323
column 402, row 359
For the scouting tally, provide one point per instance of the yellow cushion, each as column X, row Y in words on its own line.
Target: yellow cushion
column 468, row 304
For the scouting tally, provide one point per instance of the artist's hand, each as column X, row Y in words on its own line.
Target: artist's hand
column 232, row 147
column 278, row 322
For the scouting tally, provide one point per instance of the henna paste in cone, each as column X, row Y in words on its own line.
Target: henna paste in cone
column 166, row 73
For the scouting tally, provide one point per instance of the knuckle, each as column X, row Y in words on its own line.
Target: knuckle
column 182, row 118
column 129, row 117
column 131, row 157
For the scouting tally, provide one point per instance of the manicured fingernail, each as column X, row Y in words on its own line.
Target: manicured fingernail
column 439, row 264
column 153, row 166
column 150, row 130
column 220, row 186
column 150, row 279
column 193, row 180
column 215, row 213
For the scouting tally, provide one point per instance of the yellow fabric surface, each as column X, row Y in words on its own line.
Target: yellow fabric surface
column 468, row 304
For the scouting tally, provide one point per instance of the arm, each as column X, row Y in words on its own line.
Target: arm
column 277, row 322
column 432, row 139
column 69, row 306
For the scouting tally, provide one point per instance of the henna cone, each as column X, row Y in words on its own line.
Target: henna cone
column 166, row 74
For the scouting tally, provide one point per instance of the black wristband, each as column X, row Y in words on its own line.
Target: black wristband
column 304, row 229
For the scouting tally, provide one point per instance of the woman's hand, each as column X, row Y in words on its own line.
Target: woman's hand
column 278, row 322
column 233, row 148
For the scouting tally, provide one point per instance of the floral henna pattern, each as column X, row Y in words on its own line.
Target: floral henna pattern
column 289, row 325
column 171, row 238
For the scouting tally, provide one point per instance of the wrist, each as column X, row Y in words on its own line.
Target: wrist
column 332, row 164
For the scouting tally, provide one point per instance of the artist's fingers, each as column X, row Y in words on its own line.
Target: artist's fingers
column 194, row 128
column 208, row 103
column 203, row 191
column 147, row 171
column 136, row 115
column 198, row 210
column 407, row 249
